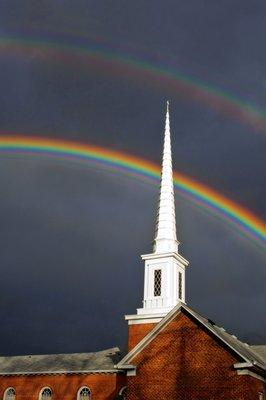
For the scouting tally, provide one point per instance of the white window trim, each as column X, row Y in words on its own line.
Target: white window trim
column 80, row 389
column 122, row 390
column 7, row 389
column 42, row 389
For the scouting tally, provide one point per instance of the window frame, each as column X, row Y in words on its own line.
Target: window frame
column 122, row 389
column 80, row 389
column 7, row 389
column 159, row 271
column 180, row 285
column 44, row 388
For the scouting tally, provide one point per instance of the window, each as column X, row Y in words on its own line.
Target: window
column 84, row 393
column 180, row 284
column 122, row 393
column 46, row 394
column 10, row 394
column 157, row 282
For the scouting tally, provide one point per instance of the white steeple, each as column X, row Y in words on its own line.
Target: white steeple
column 164, row 280
column 165, row 234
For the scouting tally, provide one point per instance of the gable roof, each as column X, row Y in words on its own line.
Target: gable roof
column 246, row 352
column 260, row 350
column 98, row 362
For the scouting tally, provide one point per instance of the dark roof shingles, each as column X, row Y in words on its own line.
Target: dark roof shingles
column 52, row 363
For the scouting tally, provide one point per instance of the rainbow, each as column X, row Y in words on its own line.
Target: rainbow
column 77, row 53
column 212, row 201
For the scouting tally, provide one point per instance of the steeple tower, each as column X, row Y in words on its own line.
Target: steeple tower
column 165, row 234
column 164, row 277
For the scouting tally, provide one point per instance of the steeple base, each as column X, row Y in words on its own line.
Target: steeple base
column 145, row 318
column 139, row 326
column 164, row 283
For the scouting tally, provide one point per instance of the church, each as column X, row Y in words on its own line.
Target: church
column 174, row 353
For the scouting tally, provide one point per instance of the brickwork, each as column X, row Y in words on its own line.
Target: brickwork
column 185, row 362
column 64, row 387
column 137, row 332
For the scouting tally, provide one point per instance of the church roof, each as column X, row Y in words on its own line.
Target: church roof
column 98, row 362
column 260, row 350
column 253, row 355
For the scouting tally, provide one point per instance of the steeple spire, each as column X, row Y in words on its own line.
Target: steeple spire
column 164, row 276
column 165, row 234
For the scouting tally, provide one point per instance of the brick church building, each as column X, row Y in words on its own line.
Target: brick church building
column 173, row 352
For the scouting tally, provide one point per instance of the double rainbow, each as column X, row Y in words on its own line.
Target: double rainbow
column 76, row 53
column 219, row 205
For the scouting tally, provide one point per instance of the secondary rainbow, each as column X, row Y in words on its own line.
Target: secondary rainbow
column 77, row 53
column 246, row 222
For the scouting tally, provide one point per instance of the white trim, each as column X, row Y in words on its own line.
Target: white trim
column 122, row 389
column 168, row 318
column 144, row 320
column 243, row 365
column 177, row 256
column 7, row 389
column 80, row 389
column 253, row 374
column 131, row 372
column 45, row 387
column 150, row 336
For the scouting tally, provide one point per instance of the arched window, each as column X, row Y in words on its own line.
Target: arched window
column 122, row 393
column 84, row 393
column 10, row 394
column 45, row 394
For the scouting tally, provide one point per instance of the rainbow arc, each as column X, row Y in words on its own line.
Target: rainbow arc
column 246, row 222
column 107, row 60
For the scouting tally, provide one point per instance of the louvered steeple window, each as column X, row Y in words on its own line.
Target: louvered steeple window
column 180, row 285
column 157, row 283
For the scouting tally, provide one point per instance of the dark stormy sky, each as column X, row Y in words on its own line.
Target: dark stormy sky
column 70, row 235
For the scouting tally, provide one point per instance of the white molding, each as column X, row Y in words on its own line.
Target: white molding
column 144, row 321
column 243, row 365
column 122, row 389
column 131, row 372
column 177, row 256
column 80, row 389
column 42, row 389
column 144, row 316
column 250, row 373
column 140, row 321
column 7, row 389
column 150, row 336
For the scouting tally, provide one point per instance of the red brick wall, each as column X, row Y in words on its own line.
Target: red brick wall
column 184, row 362
column 64, row 387
column 137, row 332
